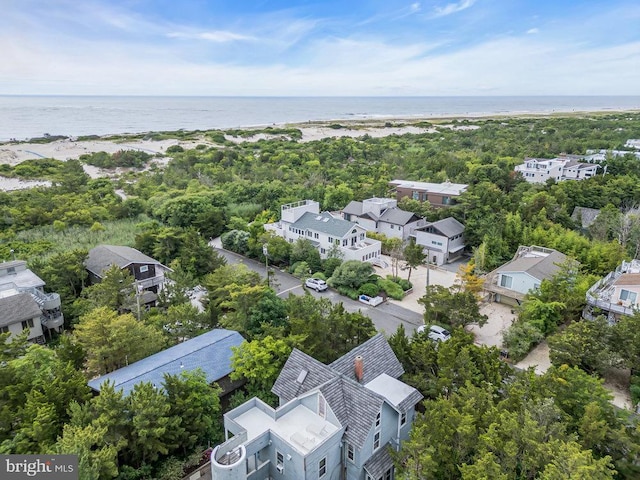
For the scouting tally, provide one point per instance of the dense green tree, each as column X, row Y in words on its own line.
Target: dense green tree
column 457, row 309
column 303, row 250
column 112, row 341
column 414, row 256
column 351, row 274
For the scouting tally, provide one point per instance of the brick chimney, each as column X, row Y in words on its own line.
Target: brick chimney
column 358, row 366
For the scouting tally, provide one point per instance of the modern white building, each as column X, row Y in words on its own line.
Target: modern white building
column 511, row 282
column 437, row 194
column 326, row 232
column 337, row 421
column 539, row 170
column 442, row 241
column 633, row 143
column 24, row 305
column 615, row 295
column 382, row 215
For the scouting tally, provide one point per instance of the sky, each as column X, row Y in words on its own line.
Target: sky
column 320, row 48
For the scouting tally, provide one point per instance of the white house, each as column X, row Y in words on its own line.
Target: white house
column 443, row 241
column 24, row 303
column 304, row 220
column 633, row 143
column 539, row 170
column 615, row 295
column 510, row 282
column 337, row 421
column 382, row 215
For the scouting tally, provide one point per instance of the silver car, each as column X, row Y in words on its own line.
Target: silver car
column 316, row 284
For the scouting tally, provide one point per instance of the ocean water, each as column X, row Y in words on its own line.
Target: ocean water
column 23, row 117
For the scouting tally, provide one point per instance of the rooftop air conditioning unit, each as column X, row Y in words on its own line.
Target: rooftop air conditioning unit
column 280, row 468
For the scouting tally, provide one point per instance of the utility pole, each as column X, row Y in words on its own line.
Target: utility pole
column 265, row 252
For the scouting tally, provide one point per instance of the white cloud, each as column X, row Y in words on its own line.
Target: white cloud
column 451, row 8
column 415, row 7
column 217, row 36
column 532, row 31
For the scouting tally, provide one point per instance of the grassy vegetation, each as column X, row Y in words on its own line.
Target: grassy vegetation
column 111, row 232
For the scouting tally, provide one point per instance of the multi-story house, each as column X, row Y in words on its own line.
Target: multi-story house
column 147, row 272
column 437, row 194
column 443, row 241
column 566, row 167
column 24, row 305
column 334, row 421
column 382, row 215
column 615, row 295
column 326, row 232
column 511, row 282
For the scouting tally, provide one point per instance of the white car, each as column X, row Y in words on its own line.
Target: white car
column 436, row 333
column 316, row 284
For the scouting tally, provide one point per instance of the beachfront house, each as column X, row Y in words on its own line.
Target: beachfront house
column 530, row 265
column 442, row 241
column 148, row 274
column 564, row 167
column 437, row 194
column 382, row 215
column 337, row 421
column 211, row 352
column 325, row 231
column 615, row 295
column 24, row 305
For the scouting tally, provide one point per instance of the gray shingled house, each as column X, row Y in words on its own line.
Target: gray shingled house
column 382, row 215
column 24, row 303
column 442, row 241
column 334, row 421
column 525, row 272
column 147, row 272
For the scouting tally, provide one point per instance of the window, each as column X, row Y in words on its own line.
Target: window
column 279, row 462
column 11, row 270
column 308, row 233
column 322, row 406
column 403, row 418
column 378, row 420
column 626, row 295
column 345, row 242
column 322, row 467
column 506, row 281
column 27, row 324
column 416, row 195
column 330, row 239
column 144, row 268
column 316, row 235
column 388, row 475
column 350, row 453
column 323, row 251
column 4, row 329
column 376, row 441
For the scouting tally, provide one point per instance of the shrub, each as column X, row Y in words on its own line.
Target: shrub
column 393, row 289
column 175, row 149
column 348, row 292
column 369, row 289
column 520, row 338
column 403, row 282
column 635, row 389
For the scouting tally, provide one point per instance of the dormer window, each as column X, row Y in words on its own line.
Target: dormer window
column 378, row 420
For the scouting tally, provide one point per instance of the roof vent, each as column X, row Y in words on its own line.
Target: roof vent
column 319, row 217
column 302, row 376
column 325, row 219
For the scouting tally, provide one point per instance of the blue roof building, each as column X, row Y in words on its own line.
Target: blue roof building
column 210, row 352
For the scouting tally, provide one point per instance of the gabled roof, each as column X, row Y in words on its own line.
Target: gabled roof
column 102, row 257
column 325, row 223
column 210, row 351
column 16, row 308
column 377, row 356
column 354, row 404
column 540, row 267
column 379, row 463
column 353, row 208
column 449, row 227
column 397, row 216
column 627, row 280
column 287, row 387
column 586, row 215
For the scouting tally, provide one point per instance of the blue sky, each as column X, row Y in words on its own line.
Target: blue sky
column 278, row 47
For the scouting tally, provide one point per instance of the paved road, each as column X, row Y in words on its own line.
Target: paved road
column 385, row 317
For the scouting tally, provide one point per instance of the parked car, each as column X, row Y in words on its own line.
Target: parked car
column 316, row 284
column 436, row 333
